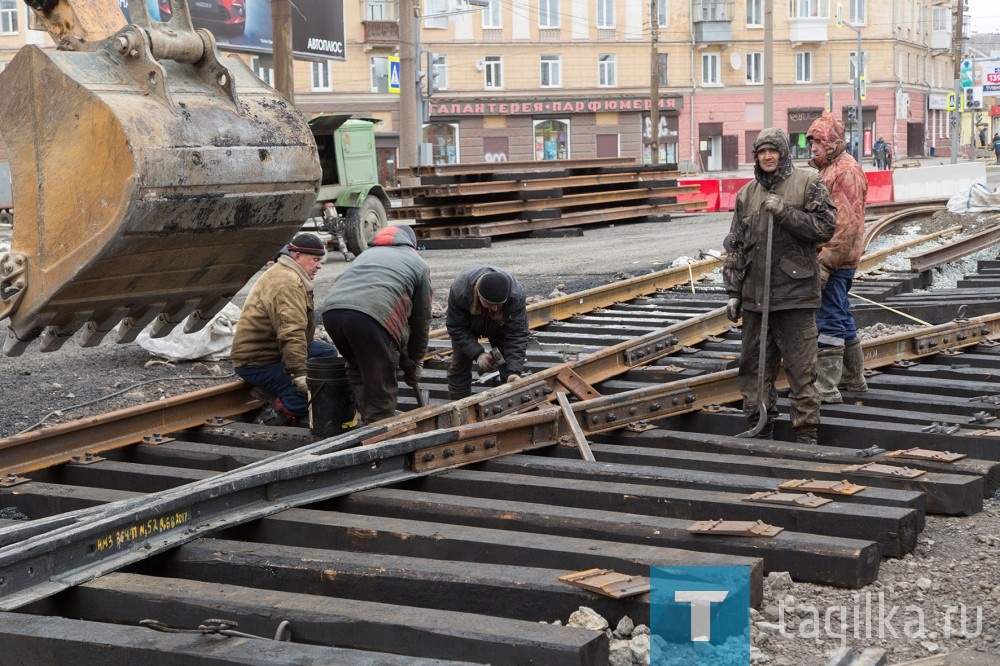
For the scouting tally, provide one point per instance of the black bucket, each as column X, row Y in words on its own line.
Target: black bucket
column 331, row 403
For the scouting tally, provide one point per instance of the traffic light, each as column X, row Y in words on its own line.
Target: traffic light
column 433, row 80
column 973, row 98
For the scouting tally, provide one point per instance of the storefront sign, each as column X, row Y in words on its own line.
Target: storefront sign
column 512, row 108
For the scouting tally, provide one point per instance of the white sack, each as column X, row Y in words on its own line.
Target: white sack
column 211, row 343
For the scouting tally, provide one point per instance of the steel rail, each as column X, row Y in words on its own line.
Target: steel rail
column 427, row 214
column 872, row 260
column 565, row 219
column 883, row 224
column 107, row 538
column 61, row 443
column 522, row 185
column 493, row 168
column 955, row 250
column 115, row 535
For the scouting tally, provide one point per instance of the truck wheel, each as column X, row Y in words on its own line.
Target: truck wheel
column 6, row 218
column 363, row 223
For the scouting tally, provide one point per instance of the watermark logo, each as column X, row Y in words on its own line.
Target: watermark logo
column 700, row 616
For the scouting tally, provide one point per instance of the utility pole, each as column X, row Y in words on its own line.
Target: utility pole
column 654, row 82
column 409, row 131
column 281, row 49
column 859, row 64
column 956, row 126
column 768, row 63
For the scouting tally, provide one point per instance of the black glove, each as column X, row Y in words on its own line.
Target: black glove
column 774, row 205
column 411, row 370
column 734, row 308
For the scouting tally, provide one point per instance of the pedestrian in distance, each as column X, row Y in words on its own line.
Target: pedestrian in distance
column 982, row 136
column 996, row 146
column 275, row 334
column 840, row 363
column 790, row 210
column 879, row 149
column 378, row 313
column 485, row 302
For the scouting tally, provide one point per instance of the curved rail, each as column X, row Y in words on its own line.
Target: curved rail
column 885, row 223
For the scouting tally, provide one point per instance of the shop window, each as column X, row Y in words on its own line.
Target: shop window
column 443, row 138
column 552, row 139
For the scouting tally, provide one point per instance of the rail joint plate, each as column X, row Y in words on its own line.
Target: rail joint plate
column 876, row 469
column 608, row 583
column 843, row 487
column 925, row 454
column 808, row 500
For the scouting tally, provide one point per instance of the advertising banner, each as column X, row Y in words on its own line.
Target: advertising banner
column 988, row 75
column 245, row 25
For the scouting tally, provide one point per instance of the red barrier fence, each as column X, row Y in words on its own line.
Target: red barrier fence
column 708, row 189
column 879, row 187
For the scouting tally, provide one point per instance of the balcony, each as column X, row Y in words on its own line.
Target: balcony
column 807, row 29
column 941, row 39
column 378, row 33
column 713, row 20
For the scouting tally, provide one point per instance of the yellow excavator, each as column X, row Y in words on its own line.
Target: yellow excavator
column 153, row 176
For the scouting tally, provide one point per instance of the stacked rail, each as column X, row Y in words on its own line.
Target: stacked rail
column 479, row 201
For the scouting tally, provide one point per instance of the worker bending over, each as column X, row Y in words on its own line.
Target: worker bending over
column 379, row 307
column 485, row 302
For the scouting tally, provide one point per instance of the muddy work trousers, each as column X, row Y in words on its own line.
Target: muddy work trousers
column 791, row 341
column 372, row 357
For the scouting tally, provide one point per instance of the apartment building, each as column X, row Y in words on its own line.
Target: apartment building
column 549, row 79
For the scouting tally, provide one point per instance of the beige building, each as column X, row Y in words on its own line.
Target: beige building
column 545, row 79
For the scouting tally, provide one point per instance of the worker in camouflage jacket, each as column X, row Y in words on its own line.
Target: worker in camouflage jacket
column 804, row 217
column 840, row 361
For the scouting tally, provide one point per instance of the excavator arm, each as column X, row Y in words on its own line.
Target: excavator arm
column 152, row 176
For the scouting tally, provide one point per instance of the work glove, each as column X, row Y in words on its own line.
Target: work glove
column 513, row 378
column 300, row 384
column 485, row 363
column 734, row 308
column 774, row 205
column 411, row 370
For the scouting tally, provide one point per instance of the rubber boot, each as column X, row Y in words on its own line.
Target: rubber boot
column 767, row 432
column 459, row 392
column 853, row 378
column 829, row 368
column 275, row 414
column 805, row 435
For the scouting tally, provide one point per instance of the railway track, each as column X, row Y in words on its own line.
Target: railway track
column 181, row 512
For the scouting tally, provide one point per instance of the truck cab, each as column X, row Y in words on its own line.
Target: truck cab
column 352, row 202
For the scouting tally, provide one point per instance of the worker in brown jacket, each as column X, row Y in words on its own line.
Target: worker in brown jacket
column 804, row 218
column 840, row 362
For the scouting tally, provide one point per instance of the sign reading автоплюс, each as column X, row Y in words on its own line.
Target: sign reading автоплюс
column 700, row 616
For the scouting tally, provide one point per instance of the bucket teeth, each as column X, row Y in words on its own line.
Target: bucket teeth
column 132, row 326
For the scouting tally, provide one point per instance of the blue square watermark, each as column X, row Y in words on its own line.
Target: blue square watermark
column 699, row 616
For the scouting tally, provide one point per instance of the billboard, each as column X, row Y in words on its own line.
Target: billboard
column 245, row 25
column 988, row 75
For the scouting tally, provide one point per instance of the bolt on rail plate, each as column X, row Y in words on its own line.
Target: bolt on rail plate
column 87, row 458
column 511, row 402
column 608, row 582
column 876, row 469
column 602, row 418
column 155, row 439
column 843, row 487
column 650, row 348
column 749, row 528
column 9, row 480
column 925, row 454
column 808, row 500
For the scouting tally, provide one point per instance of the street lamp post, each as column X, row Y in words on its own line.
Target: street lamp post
column 858, row 68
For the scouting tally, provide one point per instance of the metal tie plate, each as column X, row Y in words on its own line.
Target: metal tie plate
column 876, row 469
column 748, row 528
column 926, row 454
column 608, row 582
column 843, row 487
column 9, row 480
column 808, row 500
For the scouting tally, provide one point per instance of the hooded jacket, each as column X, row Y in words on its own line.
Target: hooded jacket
column 277, row 322
column 808, row 220
column 849, row 189
column 467, row 320
column 390, row 283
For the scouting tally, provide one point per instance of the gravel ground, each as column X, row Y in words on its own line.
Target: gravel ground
column 952, row 571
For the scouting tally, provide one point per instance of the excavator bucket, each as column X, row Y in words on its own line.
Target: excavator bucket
column 152, row 177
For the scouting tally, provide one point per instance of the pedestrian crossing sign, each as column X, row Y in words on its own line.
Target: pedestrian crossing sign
column 394, row 74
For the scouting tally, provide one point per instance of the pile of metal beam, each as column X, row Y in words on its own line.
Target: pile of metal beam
column 485, row 200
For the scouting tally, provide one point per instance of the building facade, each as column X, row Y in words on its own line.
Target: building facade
column 519, row 80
